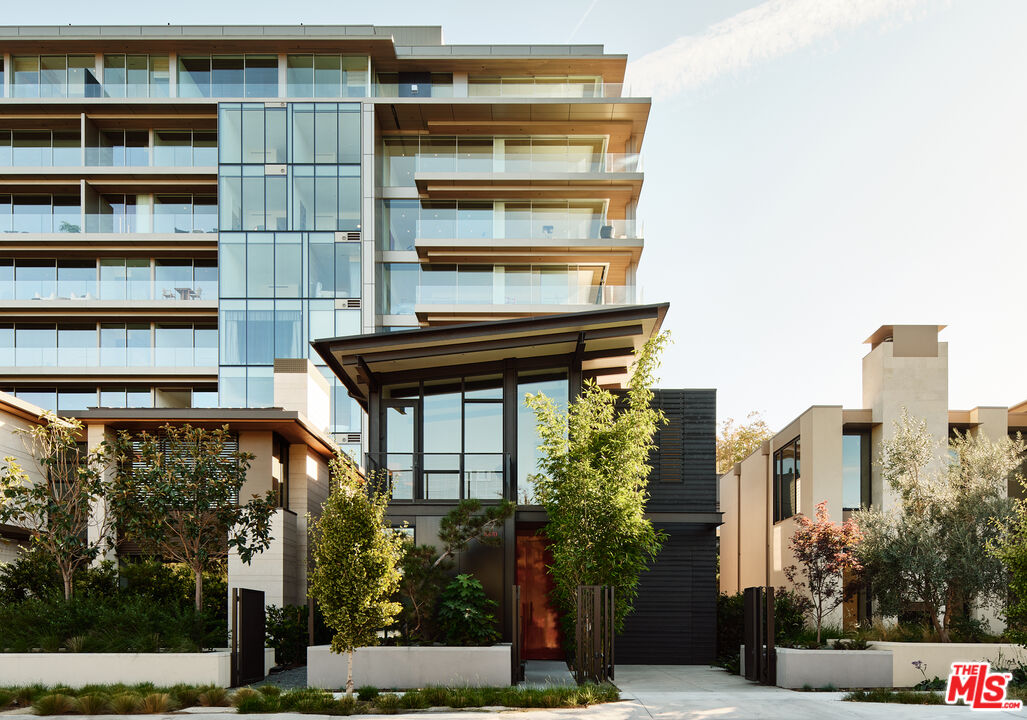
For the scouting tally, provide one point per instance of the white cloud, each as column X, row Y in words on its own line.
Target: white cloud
column 767, row 31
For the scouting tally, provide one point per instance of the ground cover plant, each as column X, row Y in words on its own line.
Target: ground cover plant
column 111, row 699
column 905, row 697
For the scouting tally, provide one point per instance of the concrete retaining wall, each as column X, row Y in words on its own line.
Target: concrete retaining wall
column 410, row 667
column 940, row 656
column 797, row 668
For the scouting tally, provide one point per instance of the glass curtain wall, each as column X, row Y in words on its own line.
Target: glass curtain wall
column 135, row 75
column 55, row 76
column 40, row 148
column 230, row 76
column 327, row 76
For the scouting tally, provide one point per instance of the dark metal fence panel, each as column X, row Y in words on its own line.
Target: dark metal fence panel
column 247, row 636
column 593, row 634
column 516, row 636
column 760, row 656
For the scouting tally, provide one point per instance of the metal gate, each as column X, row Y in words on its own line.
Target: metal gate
column 516, row 636
column 593, row 634
column 247, row 636
column 760, row 656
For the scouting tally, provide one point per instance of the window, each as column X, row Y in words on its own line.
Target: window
column 326, row 76
column 855, row 470
column 786, row 481
column 135, row 75
column 46, row 76
column 40, row 148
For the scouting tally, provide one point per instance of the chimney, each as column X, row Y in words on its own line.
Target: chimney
column 301, row 387
column 906, row 368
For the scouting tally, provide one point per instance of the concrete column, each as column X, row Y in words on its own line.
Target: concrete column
column 95, row 436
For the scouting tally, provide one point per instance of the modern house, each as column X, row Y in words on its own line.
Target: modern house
column 438, row 228
column 829, row 454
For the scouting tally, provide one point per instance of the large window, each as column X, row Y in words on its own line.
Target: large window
column 552, row 384
column 327, row 76
column 40, row 213
column 40, row 148
column 855, row 470
column 230, row 76
column 786, row 481
column 135, row 75
column 49, row 76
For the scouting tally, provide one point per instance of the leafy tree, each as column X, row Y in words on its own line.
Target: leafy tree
column 933, row 548
column 595, row 470
column 823, row 550
column 356, row 556
column 735, row 442
column 176, row 494
column 59, row 512
column 464, row 612
column 425, row 568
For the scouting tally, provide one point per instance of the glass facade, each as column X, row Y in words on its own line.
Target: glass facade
column 786, row 481
column 327, row 76
column 40, row 213
column 228, row 76
column 855, row 470
column 103, row 344
column 40, row 148
column 108, row 278
column 136, row 76
column 54, row 76
column 71, row 399
column 289, row 193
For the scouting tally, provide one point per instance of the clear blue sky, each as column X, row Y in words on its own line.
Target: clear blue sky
column 814, row 169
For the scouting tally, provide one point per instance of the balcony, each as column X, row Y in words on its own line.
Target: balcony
column 468, row 301
column 441, row 476
column 118, row 292
column 512, row 88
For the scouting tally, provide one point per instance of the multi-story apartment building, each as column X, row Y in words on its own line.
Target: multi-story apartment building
column 830, row 454
column 181, row 206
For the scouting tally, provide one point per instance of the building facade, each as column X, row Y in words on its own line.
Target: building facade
column 829, row 454
column 180, row 206
column 439, row 229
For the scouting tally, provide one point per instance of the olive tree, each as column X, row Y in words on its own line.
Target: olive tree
column 356, row 557
column 593, row 484
column 176, row 494
column 62, row 500
column 933, row 547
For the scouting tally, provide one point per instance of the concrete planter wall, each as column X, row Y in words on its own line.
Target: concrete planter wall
column 410, row 667
column 797, row 668
column 940, row 656
column 78, row 669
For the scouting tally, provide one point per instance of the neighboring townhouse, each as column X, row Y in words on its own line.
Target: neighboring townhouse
column 829, row 453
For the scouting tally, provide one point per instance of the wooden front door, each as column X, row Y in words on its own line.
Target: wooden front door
column 541, row 627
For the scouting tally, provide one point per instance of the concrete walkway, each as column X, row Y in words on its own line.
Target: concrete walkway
column 540, row 673
column 658, row 692
column 706, row 693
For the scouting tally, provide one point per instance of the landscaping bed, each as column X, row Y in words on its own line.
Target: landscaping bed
column 147, row 698
column 797, row 668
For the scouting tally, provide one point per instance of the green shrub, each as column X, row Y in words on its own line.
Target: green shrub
column 269, row 690
column 55, row 704
column 255, row 703
column 367, row 692
column 435, row 696
column 243, row 694
column 286, row 630
column 107, row 624
column 157, row 702
column 185, row 695
column 213, row 696
column 464, row 613
column 730, row 624
column 6, row 698
column 345, row 705
column 885, row 695
column 387, row 703
column 413, row 700
column 789, row 616
column 93, row 704
column 126, row 703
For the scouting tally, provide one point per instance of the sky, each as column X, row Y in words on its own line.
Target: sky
column 814, row 169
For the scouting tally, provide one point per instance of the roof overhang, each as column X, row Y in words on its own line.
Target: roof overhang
column 291, row 425
column 604, row 338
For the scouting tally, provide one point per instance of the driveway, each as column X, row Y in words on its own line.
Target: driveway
column 695, row 692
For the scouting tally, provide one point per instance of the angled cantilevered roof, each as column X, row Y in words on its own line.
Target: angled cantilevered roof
column 603, row 339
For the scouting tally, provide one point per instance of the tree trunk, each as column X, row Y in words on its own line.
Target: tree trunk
column 66, row 575
column 198, row 598
column 349, row 673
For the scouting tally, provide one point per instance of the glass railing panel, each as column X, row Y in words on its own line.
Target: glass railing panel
column 526, row 289
column 428, row 161
column 483, row 475
column 35, row 356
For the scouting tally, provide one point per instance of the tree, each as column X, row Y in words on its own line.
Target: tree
column 933, row 548
column 356, row 556
column 823, row 551
column 424, row 567
column 59, row 512
column 176, row 494
column 737, row 442
column 595, row 470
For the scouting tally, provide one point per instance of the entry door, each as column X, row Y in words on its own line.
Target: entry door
column 541, row 628
column 400, row 444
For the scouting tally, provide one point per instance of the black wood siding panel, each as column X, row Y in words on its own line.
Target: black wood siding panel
column 684, row 477
column 675, row 616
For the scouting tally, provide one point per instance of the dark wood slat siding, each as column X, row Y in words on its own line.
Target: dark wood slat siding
column 684, row 477
column 675, row 616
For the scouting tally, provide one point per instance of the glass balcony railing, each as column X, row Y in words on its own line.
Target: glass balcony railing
column 170, row 223
column 534, row 161
column 108, row 357
column 518, row 89
column 527, row 291
column 86, row 290
column 435, row 225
